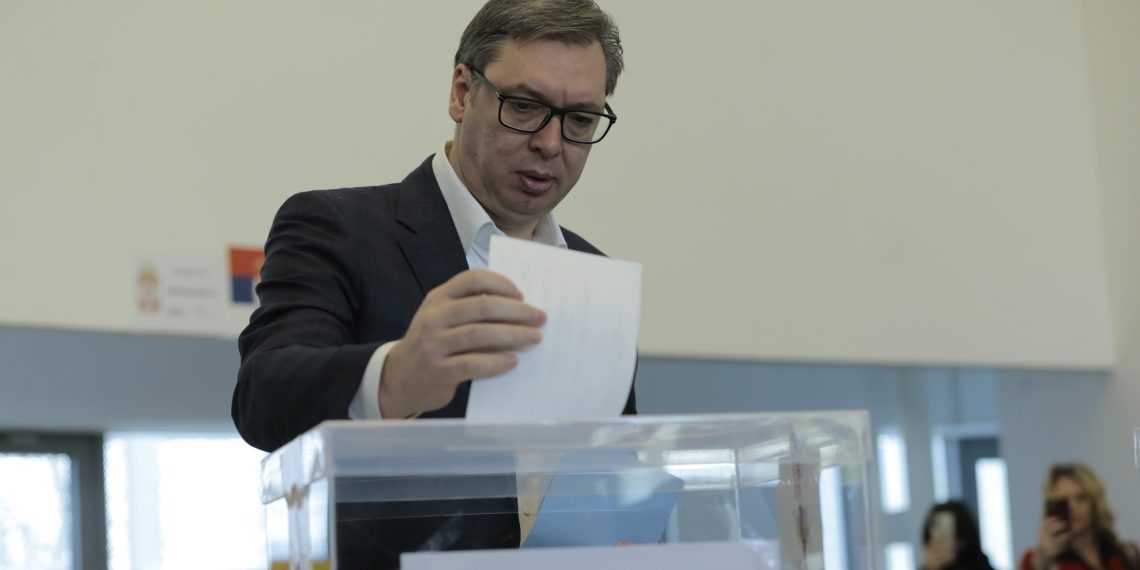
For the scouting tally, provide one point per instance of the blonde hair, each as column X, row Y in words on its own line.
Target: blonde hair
column 1103, row 520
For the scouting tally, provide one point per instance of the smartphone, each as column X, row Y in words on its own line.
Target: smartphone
column 1058, row 508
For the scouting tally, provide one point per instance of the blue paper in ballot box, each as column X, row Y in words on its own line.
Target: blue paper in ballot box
column 626, row 501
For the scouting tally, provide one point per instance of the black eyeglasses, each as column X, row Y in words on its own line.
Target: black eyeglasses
column 530, row 116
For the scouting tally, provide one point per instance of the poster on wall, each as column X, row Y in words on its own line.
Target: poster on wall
column 202, row 296
column 178, row 295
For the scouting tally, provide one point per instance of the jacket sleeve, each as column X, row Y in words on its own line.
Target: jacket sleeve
column 300, row 362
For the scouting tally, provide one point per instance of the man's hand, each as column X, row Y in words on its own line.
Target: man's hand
column 465, row 329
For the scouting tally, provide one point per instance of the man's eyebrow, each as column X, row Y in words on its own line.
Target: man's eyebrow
column 524, row 90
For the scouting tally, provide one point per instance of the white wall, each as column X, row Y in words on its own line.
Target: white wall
column 1046, row 422
column 879, row 181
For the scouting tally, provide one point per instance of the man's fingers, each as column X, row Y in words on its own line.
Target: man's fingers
column 465, row 329
column 478, row 365
column 488, row 337
column 479, row 282
column 488, row 309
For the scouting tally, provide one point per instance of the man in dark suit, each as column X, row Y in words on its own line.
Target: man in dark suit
column 374, row 303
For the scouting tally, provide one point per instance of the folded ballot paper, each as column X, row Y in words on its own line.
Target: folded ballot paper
column 584, row 365
column 603, row 499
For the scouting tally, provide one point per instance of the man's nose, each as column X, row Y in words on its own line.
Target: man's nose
column 548, row 140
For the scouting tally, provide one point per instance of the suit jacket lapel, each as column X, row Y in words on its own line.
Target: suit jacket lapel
column 432, row 248
column 431, row 245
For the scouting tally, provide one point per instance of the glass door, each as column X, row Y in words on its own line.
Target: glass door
column 36, row 523
column 51, row 503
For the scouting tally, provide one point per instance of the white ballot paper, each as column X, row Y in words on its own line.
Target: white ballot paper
column 583, row 367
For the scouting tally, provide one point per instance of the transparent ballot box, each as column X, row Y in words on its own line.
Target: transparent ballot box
column 792, row 487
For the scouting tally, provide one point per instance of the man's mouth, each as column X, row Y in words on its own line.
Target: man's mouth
column 537, row 182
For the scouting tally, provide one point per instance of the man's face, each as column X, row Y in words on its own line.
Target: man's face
column 520, row 177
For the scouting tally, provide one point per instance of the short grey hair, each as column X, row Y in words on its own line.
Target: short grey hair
column 570, row 21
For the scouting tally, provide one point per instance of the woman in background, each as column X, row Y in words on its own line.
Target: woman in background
column 951, row 539
column 1077, row 527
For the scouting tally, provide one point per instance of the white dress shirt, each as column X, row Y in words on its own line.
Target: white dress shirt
column 475, row 229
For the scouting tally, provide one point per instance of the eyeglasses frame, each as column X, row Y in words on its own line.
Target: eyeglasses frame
column 559, row 111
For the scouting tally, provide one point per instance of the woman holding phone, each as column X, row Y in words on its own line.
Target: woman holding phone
column 951, row 539
column 1077, row 528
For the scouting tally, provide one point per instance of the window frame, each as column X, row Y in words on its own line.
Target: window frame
column 88, row 501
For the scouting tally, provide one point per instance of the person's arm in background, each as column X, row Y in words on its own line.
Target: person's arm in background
column 936, row 558
column 1052, row 537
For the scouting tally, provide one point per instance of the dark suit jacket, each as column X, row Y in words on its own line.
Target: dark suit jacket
column 345, row 270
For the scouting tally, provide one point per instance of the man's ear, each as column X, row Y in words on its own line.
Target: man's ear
column 461, row 86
